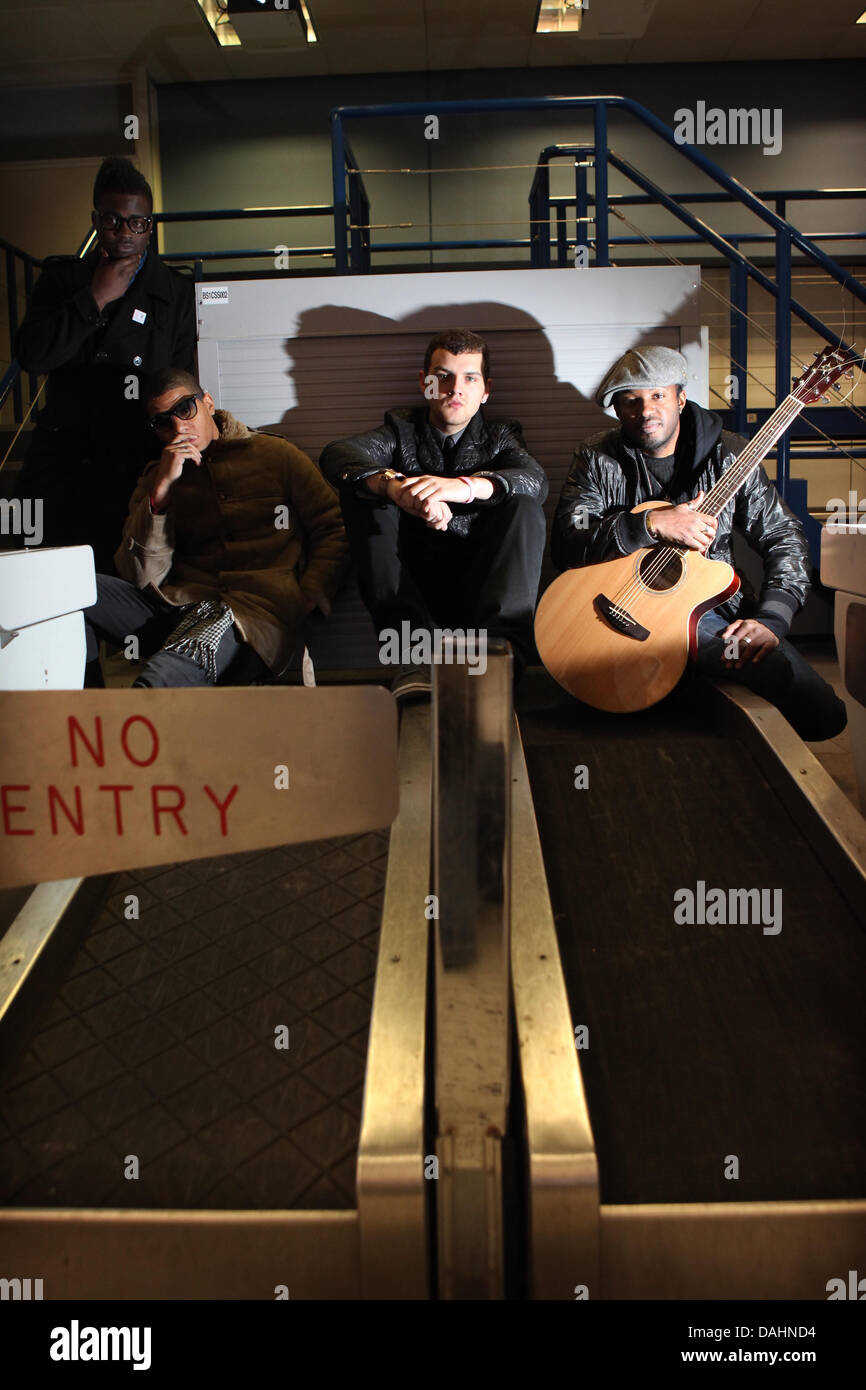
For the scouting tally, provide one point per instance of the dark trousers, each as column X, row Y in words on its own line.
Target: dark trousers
column 485, row 580
column 84, row 499
column 122, row 611
column 783, row 677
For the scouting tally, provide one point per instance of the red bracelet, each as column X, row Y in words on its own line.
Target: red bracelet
column 471, row 497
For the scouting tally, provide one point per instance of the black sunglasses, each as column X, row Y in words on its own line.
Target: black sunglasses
column 184, row 409
column 112, row 222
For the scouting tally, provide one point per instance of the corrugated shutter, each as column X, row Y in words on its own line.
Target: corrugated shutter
column 335, row 369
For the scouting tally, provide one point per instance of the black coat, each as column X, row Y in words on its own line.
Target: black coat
column 609, row 477
column 89, row 356
column 406, row 442
column 91, row 440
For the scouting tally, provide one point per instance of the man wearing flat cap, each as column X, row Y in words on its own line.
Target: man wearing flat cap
column 668, row 448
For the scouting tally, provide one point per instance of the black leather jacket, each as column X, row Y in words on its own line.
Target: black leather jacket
column 608, row 477
column 406, row 442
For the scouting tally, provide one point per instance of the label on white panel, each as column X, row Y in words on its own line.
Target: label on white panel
column 215, row 294
column 99, row 780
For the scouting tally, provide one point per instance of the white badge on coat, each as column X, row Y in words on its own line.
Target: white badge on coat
column 138, row 316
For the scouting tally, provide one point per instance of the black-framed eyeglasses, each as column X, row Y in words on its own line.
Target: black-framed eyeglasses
column 184, row 409
column 112, row 222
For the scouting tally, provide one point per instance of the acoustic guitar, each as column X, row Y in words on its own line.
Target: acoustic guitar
column 618, row 634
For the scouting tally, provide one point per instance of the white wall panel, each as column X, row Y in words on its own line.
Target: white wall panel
column 317, row 359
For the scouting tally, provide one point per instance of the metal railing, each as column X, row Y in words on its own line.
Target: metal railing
column 542, row 204
column 353, row 249
column 11, row 380
column 10, row 383
column 785, row 236
column 17, row 260
column 198, row 258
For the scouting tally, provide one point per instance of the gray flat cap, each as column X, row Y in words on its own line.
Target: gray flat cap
column 642, row 369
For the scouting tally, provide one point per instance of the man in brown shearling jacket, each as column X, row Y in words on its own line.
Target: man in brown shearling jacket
column 232, row 538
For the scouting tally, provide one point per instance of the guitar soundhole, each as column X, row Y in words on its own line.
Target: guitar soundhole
column 661, row 574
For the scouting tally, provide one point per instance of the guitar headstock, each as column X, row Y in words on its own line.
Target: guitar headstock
column 816, row 380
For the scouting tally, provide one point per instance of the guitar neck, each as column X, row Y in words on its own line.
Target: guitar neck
column 755, row 451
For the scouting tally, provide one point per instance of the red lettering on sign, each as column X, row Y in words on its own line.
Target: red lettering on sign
column 222, row 806
column 98, row 754
column 13, row 810
column 117, row 788
column 76, row 821
column 174, row 810
column 140, row 762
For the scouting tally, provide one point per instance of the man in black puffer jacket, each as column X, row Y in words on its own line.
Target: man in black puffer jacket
column 667, row 447
column 443, row 507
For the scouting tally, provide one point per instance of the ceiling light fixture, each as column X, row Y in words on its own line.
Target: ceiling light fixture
column 559, row 16
column 217, row 20
column 259, row 24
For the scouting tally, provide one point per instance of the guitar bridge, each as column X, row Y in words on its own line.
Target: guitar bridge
column 619, row 619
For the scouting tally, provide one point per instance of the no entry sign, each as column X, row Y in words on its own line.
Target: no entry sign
column 98, row 780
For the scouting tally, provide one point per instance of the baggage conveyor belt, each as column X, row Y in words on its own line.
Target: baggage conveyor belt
column 152, row 1043
column 220, row 1034
column 705, row 1042
column 307, row 1169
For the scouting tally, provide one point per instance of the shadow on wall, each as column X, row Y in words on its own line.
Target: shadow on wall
column 348, row 366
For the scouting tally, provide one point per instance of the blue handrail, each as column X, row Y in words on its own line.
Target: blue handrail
column 350, row 211
column 11, row 379
column 599, row 105
column 541, row 203
column 786, row 235
column 776, row 195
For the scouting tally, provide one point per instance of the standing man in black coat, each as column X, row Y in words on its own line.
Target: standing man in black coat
column 443, row 507
column 98, row 325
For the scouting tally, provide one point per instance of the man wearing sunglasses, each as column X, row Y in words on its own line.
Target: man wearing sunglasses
column 232, row 538
column 98, row 325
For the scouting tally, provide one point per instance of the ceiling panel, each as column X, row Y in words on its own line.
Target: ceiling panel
column 48, row 44
column 477, row 51
column 570, row 52
column 52, row 33
column 669, row 16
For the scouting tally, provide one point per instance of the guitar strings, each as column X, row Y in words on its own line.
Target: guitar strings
column 728, row 484
column 721, row 492
column 719, row 495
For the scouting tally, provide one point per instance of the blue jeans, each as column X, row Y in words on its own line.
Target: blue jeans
column 783, row 677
